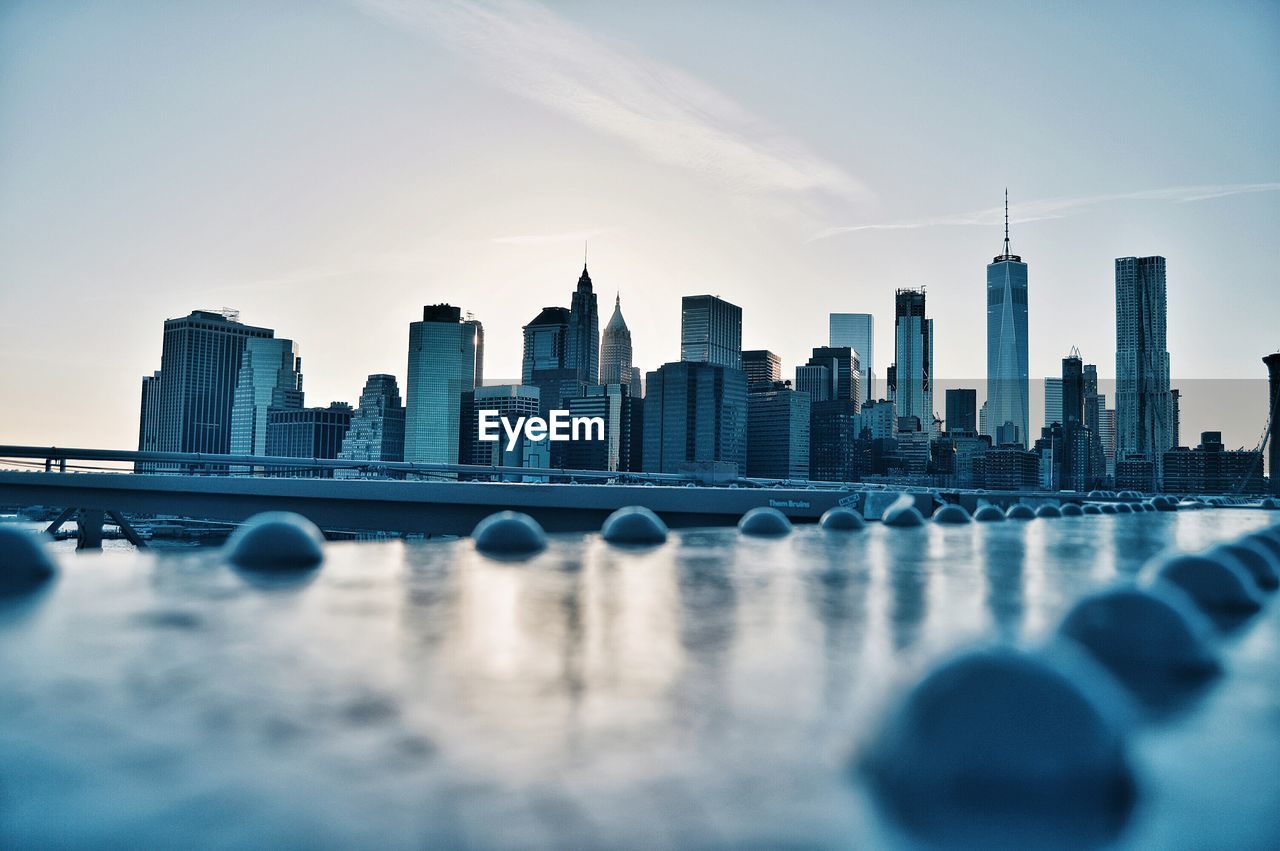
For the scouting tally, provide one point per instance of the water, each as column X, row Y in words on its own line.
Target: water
column 708, row 692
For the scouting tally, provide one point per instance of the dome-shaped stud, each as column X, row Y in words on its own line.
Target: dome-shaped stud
column 276, row 540
column 634, row 524
column 1262, row 563
column 1217, row 583
column 1048, row 510
column 509, row 534
column 968, row 760
column 1165, row 503
column 1108, row 508
column 1270, row 504
column 903, row 513
column 25, row 562
column 951, row 515
column 764, row 521
column 988, row 514
column 1020, row 511
column 1265, row 541
column 1091, row 508
column 842, row 519
column 1154, row 640
column 1072, row 510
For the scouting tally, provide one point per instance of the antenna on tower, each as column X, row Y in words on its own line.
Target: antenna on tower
column 1006, row 221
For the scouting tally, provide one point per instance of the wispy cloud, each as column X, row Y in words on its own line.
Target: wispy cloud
column 551, row 238
column 1057, row 208
column 666, row 114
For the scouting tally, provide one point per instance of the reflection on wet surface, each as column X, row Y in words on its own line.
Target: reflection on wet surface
column 705, row 692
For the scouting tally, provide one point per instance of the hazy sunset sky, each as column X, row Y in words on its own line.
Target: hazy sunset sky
column 329, row 167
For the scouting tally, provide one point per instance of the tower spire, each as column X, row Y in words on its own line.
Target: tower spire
column 1006, row 221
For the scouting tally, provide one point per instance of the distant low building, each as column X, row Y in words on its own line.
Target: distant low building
column 307, row 433
column 1007, row 468
column 1212, row 469
column 1135, row 473
column 777, row 431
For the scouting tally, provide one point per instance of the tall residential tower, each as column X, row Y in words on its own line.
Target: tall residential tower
column 1143, row 400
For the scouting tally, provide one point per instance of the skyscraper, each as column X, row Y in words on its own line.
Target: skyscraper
column 509, row 400
column 694, row 413
column 377, row 426
column 443, row 365
column 270, row 379
column 912, row 372
column 1072, row 409
column 1143, row 402
column 1272, row 362
column 546, row 360
column 1175, row 418
column 857, row 331
column 710, row 331
column 845, row 373
column 584, row 331
column 815, row 380
column 1052, row 400
column 1007, row 375
column 1107, row 434
column 199, row 368
column 962, row 414
column 777, row 432
column 761, row 366
column 615, row 348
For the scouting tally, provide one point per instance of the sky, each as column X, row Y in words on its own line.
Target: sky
column 329, row 167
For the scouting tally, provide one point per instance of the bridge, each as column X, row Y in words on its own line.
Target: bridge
column 426, row 499
column 209, row 488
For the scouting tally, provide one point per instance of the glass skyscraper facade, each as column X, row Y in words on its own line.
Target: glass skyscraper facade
column 710, row 331
column 962, row 410
column 189, row 402
column 762, row 367
column 912, row 386
column 307, row 433
column 694, row 412
column 777, row 433
column 857, row 331
column 270, row 379
column 443, row 365
column 1007, row 373
column 1143, row 402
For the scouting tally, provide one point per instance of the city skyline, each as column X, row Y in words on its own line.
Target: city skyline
column 332, row 206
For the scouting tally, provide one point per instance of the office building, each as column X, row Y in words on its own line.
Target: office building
column 762, row 367
column 546, row 364
column 1211, row 468
column 615, row 452
column 377, row 426
column 1052, row 400
column 816, row 381
column 777, row 432
column 1007, row 468
column 911, row 381
column 148, row 418
column 1007, row 375
column 843, row 371
column 615, row 348
column 695, row 413
column 857, row 331
column 1272, row 362
column 710, row 331
column 270, row 379
column 307, row 433
column 1107, row 436
column 443, row 365
column 1143, row 401
column 876, row 420
column 834, row 440
column 583, row 336
column 189, row 402
column 512, row 401
column 1175, row 418
column 962, row 414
